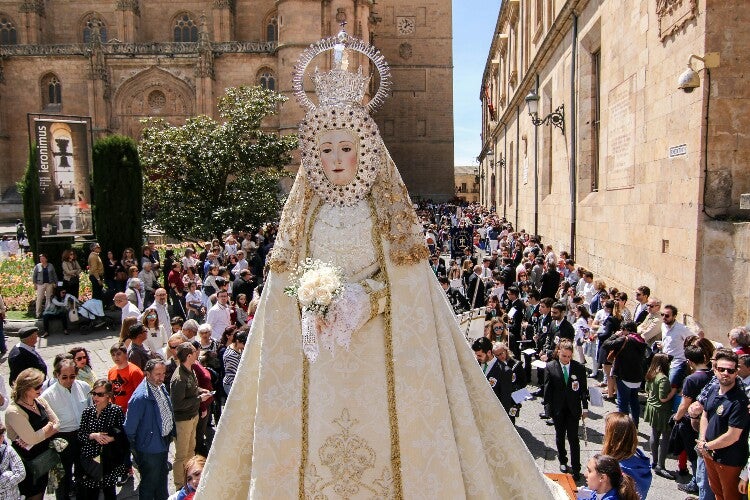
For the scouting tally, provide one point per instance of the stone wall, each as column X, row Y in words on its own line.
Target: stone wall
column 639, row 201
column 417, row 120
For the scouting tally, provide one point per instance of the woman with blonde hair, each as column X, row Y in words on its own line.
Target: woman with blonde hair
column 621, row 443
column 30, row 419
column 71, row 272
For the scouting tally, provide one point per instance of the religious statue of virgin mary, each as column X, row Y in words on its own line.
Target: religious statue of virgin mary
column 381, row 397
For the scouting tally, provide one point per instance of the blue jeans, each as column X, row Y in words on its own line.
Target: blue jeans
column 677, row 374
column 627, row 400
column 154, row 471
column 701, row 479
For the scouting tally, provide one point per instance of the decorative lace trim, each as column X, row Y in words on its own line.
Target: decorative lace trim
column 355, row 120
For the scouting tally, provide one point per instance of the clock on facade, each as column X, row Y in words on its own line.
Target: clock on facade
column 405, row 25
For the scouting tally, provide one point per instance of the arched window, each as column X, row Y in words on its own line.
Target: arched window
column 185, row 29
column 88, row 28
column 272, row 28
column 8, row 34
column 267, row 80
column 51, row 92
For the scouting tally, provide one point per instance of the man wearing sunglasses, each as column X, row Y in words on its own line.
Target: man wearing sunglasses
column 673, row 335
column 722, row 439
column 68, row 398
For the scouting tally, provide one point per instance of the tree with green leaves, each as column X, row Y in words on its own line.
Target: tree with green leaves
column 118, row 194
column 206, row 176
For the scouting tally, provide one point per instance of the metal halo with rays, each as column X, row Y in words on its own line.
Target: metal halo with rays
column 350, row 43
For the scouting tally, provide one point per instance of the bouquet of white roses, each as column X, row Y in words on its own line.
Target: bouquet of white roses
column 315, row 285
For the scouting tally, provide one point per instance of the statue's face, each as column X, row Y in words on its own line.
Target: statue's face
column 338, row 154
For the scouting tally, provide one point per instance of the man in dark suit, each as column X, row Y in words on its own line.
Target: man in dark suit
column 559, row 329
column 438, row 265
column 497, row 372
column 24, row 354
column 475, row 290
column 509, row 271
column 531, row 317
column 245, row 284
column 640, row 313
column 540, row 337
column 459, row 303
column 515, row 310
column 550, row 282
column 566, row 401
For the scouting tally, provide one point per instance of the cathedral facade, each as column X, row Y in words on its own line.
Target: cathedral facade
column 120, row 61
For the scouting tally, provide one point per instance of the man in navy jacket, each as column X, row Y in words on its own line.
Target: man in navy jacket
column 149, row 424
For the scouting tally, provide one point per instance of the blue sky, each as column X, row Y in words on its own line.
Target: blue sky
column 473, row 25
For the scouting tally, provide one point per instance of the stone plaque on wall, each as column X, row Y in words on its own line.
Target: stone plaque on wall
column 621, row 135
column 673, row 14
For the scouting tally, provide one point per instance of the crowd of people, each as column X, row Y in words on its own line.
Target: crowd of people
column 548, row 323
column 182, row 335
column 541, row 307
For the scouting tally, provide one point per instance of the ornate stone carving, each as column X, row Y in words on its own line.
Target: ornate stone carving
column 2, row 71
column 131, row 5
column 33, row 6
column 224, row 4
column 134, row 49
column 205, row 66
column 405, row 50
column 674, row 14
column 98, row 68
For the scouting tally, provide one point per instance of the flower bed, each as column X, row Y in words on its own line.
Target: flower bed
column 18, row 291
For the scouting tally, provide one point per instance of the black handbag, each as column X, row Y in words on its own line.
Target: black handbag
column 92, row 468
column 42, row 464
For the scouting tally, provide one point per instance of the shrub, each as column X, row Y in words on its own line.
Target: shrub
column 118, row 194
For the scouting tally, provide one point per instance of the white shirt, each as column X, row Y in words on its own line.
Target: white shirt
column 68, row 405
column 156, row 339
column 673, row 341
column 218, row 318
column 162, row 313
column 239, row 266
column 130, row 311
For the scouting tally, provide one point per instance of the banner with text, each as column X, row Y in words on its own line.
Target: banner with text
column 64, row 153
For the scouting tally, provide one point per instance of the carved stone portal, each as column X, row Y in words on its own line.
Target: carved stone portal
column 674, row 14
column 152, row 93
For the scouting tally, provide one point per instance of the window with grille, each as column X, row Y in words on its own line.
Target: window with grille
column 8, row 34
column 51, row 92
column 272, row 29
column 185, row 29
column 267, row 80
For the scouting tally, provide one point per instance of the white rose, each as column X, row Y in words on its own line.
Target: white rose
column 305, row 295
column 330, row 283
column 323, row 297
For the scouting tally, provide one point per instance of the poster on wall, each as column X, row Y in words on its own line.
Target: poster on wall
column 64, row 166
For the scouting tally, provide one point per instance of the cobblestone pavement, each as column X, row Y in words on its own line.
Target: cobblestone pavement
column 539, row 437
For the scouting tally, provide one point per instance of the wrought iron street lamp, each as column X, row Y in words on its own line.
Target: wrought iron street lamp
column 556, row 118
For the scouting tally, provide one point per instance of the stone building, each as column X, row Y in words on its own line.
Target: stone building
column 119, row 61
column 639, row 178
column 467, row 183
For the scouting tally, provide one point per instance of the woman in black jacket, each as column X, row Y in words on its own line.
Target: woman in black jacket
column 609, row 326
column 627, row 370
